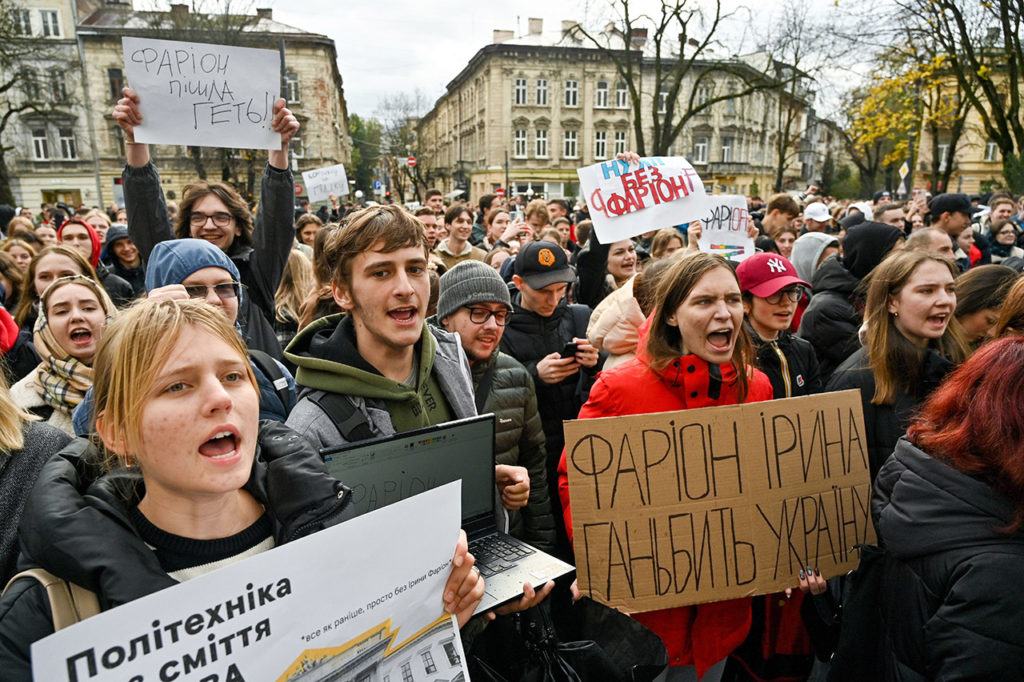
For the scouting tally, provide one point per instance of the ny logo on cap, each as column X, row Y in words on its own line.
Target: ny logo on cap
column 776, row 265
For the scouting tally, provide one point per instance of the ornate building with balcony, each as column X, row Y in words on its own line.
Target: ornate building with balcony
column 546, row 103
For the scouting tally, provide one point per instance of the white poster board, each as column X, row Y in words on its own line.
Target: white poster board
column 362, row 595
column 323, row 182
column 202, row 94
column 724, row 228
column 626, row 200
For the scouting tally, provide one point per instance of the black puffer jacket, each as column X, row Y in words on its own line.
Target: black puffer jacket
column 529, row 338
column 802, row 376
column 885, row 424
column 76, row 525
column 519, row 441
column 831, row 321
column 953, row 597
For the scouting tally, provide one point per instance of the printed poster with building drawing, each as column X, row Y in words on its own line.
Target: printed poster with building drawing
column 724, row 225
column 359, row 601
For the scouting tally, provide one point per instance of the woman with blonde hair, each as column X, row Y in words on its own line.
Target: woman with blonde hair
column 73, row 315
column 25, row 445
column 20, row 250
column 188, row 480
column 913, row 341
column 296, row 285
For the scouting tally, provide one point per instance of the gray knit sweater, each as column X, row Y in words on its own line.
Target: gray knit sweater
column 18, row 472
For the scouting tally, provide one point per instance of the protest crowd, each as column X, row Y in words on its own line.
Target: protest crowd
column 173, row 370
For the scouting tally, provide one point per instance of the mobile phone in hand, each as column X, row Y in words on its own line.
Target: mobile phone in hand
column 569, row 350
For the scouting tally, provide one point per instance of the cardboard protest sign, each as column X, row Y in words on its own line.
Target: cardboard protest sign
column 323, row 182
column 360, row 598
column 724, row 228
column 702, row 505
column 627, row 200
column 202, row 94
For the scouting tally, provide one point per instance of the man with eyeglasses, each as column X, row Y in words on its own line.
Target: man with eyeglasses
column 474, row 302
column 771, row 292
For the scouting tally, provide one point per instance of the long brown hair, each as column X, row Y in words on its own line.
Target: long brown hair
column 664, row 342
column 1011, row 315
column 29, row 297
column 894, row 360
column 226, row 193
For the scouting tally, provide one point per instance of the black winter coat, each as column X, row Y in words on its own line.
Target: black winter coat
column 953, row 594
column 831, row 321
column 519, row 441
column 529, row 338
column 802, row 376
column 119, row 290
column 885, row 424
column 76, row 525
column 260, row 267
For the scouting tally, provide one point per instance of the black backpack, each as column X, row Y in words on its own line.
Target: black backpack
column 347, row 418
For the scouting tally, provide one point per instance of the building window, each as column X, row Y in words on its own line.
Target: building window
column 58, row 85
column 601, row 95
column 452, row 654
column 519, row 144
column 21, row 22
column 291, row 87
column 542, row 92
column 621, row 95
column 600, row 145
column 519, row 91
column 40, row 145
column 620, row 141
column 115, row 77
column 67, row 144
column 298, row 151
column 727, row 146
column 30, row 84
column 541, row 144
column 570, row 144
column 730, row 104
column 572, row 93
column 943, row 161
column 406, row 672
column 700, row 150
column 991, row 151
column 51, row 23
column 428, row 662
column 703, row 94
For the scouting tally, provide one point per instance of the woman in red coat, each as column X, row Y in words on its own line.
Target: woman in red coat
column 696, row 354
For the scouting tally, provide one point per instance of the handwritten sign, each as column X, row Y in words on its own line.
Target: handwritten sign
column 312, row 609
column 323, row 182
column 626, row 200
column 702, row 505
column 724, row 228
column 202, row 94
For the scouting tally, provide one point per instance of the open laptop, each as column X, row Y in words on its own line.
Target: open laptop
column 385, row 470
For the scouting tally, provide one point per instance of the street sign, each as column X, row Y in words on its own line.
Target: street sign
column 411, row 161
column 500, row 191
column 904, row 169
column 298, row 189
column 378, row 186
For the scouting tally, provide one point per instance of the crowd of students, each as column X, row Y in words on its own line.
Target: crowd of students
column 146, row 347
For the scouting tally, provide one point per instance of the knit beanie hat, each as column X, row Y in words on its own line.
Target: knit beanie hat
column 470, row 282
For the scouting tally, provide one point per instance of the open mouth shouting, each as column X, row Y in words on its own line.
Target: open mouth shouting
column 405, row 316
column 721, row 340
column 222, row 446
column 81, row 337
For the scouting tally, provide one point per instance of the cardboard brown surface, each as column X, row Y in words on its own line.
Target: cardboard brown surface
column 696, row 506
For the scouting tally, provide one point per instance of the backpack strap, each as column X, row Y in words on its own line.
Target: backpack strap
column 272, row 371
column 69, row 603
column 347, row 418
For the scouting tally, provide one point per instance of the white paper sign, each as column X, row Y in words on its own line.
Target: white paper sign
column 202, row 94
column 724, row 228
column 323, row 182
column 626, row 200
column 361, row 596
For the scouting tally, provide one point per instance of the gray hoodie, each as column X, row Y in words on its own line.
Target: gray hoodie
column 807, row 250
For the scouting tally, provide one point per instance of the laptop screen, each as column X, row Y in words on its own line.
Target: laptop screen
column 382, row 471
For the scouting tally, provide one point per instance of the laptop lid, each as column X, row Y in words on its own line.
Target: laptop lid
column 391, row 468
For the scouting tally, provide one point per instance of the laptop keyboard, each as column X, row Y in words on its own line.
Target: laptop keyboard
column 494, row 554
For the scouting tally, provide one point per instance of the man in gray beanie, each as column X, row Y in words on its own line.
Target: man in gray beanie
column 474, row 303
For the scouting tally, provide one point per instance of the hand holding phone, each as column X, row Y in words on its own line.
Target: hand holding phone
column 569, row 350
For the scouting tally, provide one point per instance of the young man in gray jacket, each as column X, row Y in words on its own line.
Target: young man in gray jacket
column 378, row 369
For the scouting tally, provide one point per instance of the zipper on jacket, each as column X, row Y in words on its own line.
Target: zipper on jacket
column 785, row 368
